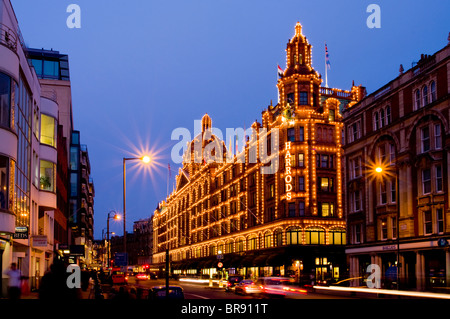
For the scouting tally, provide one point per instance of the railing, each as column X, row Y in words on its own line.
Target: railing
column 8, row 37
column 335, row 92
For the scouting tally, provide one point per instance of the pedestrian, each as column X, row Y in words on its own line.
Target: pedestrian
column 54, row 284
column 15, row 282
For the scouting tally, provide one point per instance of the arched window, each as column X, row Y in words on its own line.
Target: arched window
column 388, row 115
column 229, row 248
column 425, row 95
column 277, row 238
column 268, row 240
column 433, row 91
column 252, row 243
column 381, row 117
column 294, row 236
column 240, row 245
column 337, row 236
column 315, row 236
column 212, row 250
column 417, row 94
column 376, row 121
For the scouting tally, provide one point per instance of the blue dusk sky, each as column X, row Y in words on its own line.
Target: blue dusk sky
column 139, row 69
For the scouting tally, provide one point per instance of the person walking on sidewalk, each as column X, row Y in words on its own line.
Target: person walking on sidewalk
column 15, row 282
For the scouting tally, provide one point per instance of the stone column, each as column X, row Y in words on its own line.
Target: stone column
column 420, row 271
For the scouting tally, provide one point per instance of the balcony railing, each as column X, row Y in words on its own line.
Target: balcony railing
column 8, row 37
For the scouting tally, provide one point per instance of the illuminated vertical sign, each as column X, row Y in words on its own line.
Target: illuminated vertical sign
column 288, row 174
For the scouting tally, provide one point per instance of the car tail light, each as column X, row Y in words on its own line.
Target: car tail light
column 126, row 278
column 228, row 284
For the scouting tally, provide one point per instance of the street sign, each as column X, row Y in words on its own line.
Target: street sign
column 220, row 265
column 121, row 259
column 220, row 256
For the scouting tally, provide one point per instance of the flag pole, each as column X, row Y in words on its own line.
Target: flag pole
column 326, row 67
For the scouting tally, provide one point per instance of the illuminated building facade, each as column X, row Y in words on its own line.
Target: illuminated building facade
column 282, row 223
column 403, row 210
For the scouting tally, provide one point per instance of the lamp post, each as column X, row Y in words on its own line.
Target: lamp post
column 146, row 160
column 380, row 171
column 115, row 216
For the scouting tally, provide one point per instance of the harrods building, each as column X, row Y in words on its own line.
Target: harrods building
column 290, row 222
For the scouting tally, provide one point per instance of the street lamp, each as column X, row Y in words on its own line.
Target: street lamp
column 381, row 172
column 145, row 159
column 116, row 217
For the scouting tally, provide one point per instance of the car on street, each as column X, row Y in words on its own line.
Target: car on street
column 159, row 292
column 280, row 287
column 233, row 280
column 119, row 277
column 247, row 286
column 142, row 276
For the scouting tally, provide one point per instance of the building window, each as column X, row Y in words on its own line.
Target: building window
column 437, row 136
column 277, row 238
column 425, row 95
column 4, row 182
column 391, row 154
column 355, row 199
column 251, row 243
column 425, row 139
column 440, row 220
column 394, row 227
column 294, row 236
column 291, row 134
column 388, row 115
column 393, row 191
column 315, row 236
column 5, row 100
column 331, row 115
column 427, row 222
column 337, row 237
column 426, row 181
column 326, row 184
column 303, row 98
column 433, row 91
column 267, row 240
column 324, row 162
column 381, row 118
column 326, row 209
column 301, row 208
column 47, row 176
column 417, row 99
column 302, row 133
column 439, row 187
column 48, row 130
column 301, row 183
column 376, row 121
column 301, row 160
column 383, row 196
column 384, row 229
column 290, row 98
column 354, row 132
column 356, row 233
column 291, row 209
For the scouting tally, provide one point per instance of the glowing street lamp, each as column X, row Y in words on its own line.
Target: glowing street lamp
column 381, row 173
column 116, row 217
column 145, row 159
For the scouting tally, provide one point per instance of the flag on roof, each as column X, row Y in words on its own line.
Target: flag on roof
column 280, row 71
column 327, row 58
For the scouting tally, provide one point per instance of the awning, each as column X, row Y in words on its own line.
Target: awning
column 276, row 260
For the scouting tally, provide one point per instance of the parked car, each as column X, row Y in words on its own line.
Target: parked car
column 159, row 292
column 232, row 281
column 280, row 286
column 247, row 287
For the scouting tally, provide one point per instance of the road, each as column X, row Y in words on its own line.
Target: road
column 203, row 291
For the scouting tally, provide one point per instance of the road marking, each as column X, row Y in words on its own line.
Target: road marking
column 187, row 293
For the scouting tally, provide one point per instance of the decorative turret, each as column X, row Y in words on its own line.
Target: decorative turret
column 300, row 83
